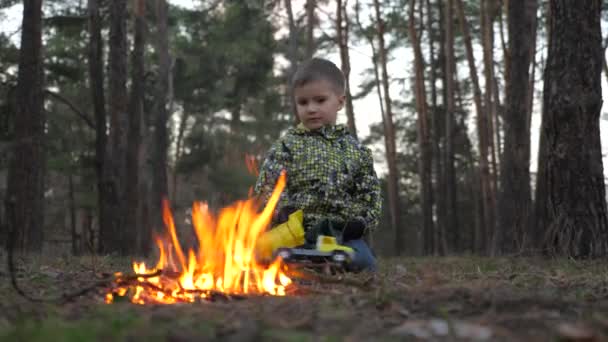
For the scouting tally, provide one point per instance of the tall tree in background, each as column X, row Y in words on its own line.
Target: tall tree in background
column 487, row 211
column 477, row 101
column 96, row 81
column 369, row 36
column 27, row 166
column 389, row 136
column 112, row 233
column 434, row 241
column 342, row 34
column 571, row 213
column 424, row 143
column 310, row 28
column 532, row 78
column 514, row 201
column 292, row 56
column 133, row 224
column 160, row 139
column 449, row 173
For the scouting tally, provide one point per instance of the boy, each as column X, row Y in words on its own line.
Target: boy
column 330, row 175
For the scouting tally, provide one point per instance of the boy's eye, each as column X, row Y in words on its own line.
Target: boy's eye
column 302, row 102
column 320, row 99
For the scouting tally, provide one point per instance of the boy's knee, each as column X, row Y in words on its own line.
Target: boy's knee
column 364, row 258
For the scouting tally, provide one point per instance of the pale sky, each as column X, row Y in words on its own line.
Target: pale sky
column 367, row 110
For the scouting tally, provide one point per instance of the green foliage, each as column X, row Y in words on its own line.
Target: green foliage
column 225, row 84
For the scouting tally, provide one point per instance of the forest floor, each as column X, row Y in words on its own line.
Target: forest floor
column 452, row 298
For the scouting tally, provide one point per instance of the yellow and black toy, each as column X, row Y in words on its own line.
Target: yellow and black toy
column 293, row 244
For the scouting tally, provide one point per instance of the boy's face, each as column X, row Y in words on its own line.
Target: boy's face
column 318, row 103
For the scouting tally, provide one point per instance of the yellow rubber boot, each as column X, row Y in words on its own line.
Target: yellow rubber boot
column 287, row 234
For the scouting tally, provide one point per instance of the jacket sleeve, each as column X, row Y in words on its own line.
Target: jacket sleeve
column 277, row 159
column 368, row 195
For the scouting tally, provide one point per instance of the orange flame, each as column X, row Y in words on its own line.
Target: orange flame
column 225, row 261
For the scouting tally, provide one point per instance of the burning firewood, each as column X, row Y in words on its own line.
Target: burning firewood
column 225, row 264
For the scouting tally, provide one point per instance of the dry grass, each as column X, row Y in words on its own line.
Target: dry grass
column 512, row 298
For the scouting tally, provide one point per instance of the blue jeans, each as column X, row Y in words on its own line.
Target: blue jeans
column 364, row 259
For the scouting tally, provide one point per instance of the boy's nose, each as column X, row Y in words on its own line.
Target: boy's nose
column 312, row 108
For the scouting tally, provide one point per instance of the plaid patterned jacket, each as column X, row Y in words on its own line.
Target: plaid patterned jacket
column 329, row 175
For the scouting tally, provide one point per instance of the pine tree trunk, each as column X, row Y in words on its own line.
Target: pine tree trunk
column 342, row 31
column 112, row 234
column 178, row 151
column 72, row 212
column 493, row 120
column 439, row 123
column 571, row 199
column 425, row 161
column 377, row 81
column 605, row 65
column 292, row 55
column 464, row 28
column 160, row 139
column 451, row 220
column 27, row 166
column 431, row 240
column 133, row 225
column 310, row 28
column 514, row 202
column 532, row 80
column 96, row 80
column 483, row 131
column 477, row 101
column 505, row 49
column 389, row 130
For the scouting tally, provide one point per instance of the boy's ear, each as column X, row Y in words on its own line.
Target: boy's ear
column 342, row 100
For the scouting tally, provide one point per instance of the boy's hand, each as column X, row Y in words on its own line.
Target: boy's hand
column 283, row 214
column 353, row 230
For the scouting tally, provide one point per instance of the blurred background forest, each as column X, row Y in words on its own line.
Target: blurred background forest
column 119, row 103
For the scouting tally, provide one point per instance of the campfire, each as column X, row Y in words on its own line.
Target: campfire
column 224, row 264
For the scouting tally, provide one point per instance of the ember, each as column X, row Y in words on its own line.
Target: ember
column 224, row 264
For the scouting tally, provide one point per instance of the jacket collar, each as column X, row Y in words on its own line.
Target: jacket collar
column 329, row 132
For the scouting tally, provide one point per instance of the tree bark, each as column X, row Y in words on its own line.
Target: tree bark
column 424, row 163
column 178, row 151
column 112, row 234
column 133, row 226
column 439, row 123
column 485, row 137
column 514, row 201
column 532, row 81
column 310, row 28
column 571, row 199
column 160, row 139
column 374, row 60
column 27, row 165
column 72, row 212
column 431, row 239
column 605, row 65
column 451, row 218
column 477, row 101
column 96, row 81
column 342, row 31
column 389, row 136
column 292, row 55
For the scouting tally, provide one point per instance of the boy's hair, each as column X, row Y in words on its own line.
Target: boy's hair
column 317, row 69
